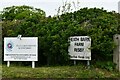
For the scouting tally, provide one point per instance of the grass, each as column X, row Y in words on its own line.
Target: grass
column 0, row 71
column 77, row 71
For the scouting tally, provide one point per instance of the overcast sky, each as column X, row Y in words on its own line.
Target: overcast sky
column 50, row 6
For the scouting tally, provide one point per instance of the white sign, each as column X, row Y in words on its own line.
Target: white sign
column 79, row 48
column 24, row 49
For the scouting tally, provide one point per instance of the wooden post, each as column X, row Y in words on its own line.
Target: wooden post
column 116, row 53
column 119, row 51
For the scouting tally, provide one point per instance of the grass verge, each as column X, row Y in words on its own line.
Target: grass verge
column 77, row 71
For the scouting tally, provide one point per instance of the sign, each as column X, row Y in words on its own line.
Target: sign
column 24, row 49
column 79, row 48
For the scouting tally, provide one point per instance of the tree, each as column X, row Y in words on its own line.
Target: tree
column 53, row 32
column 17, row 19
column 21, row 12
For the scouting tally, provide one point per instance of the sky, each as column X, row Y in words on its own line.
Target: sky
column 51, row 6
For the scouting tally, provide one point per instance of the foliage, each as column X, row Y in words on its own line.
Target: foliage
column 53, row 32
column 16, row 16
column 99, row 24
column 21, row 12
column 68, row 7
column 110, row 66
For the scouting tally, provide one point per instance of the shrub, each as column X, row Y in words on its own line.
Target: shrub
column 53, row 32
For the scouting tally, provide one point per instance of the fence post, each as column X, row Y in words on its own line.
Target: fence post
column 116, row 52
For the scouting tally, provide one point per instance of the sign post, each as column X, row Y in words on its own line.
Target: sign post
column 21, row 49
column 8, row 63
column 33, row 64
column 74, row 62
column 88, row 64
column 79, row 48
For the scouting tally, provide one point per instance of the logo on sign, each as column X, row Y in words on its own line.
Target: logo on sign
column 9, row 46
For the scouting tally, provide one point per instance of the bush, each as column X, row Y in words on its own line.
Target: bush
column 110, row 66
column 53, row 33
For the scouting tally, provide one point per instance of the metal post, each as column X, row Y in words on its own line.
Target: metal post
column 88, row 64
column 74, row 62
column 33, row 64
column 19, row 37
column 8, row 63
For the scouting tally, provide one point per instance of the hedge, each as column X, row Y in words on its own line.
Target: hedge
column 53, row 32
